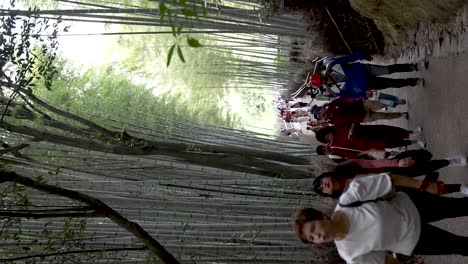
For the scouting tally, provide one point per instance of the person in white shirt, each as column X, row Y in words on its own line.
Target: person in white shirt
column 368, row 222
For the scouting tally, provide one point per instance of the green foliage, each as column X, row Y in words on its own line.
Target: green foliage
column 23, row 47
column 107, row 95
column 71, row 236
column 194, row 43
column 172, row 12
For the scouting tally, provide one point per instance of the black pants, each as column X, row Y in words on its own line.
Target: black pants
column 396, row 143
column 433, row 240
column 379, row 83
column 418, row 155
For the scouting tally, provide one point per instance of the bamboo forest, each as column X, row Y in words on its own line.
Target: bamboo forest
column 147, row 132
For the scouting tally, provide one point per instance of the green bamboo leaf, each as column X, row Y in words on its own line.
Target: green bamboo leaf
column 169, row 55
column 204, row 11
column 181, row 55
column 174, row 31
column 194, row 43
column 179, row 29
column 188, row 12
column 162, row 11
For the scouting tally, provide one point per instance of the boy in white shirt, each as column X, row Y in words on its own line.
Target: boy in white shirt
column 366, row 224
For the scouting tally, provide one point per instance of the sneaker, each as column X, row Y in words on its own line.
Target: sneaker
column 417, row 131
column 464, row 189
column 406, row 115
column 421, row 143
column 457, row 161
column 417, row 134
column 420, row 82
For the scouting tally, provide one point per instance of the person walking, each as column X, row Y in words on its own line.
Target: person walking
column 370, row 221
column 356, row 78
column 344, row 110
column 351, row 140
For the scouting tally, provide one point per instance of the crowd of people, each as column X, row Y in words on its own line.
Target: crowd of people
column 382, row 209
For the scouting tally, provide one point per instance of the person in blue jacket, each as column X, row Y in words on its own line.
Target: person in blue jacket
column 356, row 78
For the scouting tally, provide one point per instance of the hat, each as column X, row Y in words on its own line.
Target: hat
column 314, row 109
column 315, row 80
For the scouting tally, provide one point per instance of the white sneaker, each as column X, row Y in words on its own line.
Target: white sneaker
column 418, row 131
column 421, row 83
column 417, row 134
column 464, row 189
column 457, row 161
column 422, row 144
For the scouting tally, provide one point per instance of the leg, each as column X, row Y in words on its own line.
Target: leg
column 376, row 70
column 436, row 241
column 418, row 155
column 434, row 165
column 452, row 188
column 434, row 207
column 372, row 105
column 373, row 116
column 396, row 143
column 379, row 83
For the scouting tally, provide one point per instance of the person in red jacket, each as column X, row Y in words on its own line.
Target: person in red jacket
column 351, row 140
column 345, row 110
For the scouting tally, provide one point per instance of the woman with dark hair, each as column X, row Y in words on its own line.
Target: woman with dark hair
column 370, row 220
column 333, row 183
column 353, row 140
column 411, row 163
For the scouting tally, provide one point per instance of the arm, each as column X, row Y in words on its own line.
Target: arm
column 345, row 59
column 370, row 166
column 345, row 153
column 380, row 164
column 404, row 181
column 351, row 130
column 430, row 187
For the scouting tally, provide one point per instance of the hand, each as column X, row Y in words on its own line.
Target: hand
column 406, row 162
column 432, row 187
column 370, row 94
column 351, row 129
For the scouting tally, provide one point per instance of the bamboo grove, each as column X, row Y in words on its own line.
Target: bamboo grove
column 91, row 188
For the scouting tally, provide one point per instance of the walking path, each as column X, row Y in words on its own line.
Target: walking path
column 441, row 108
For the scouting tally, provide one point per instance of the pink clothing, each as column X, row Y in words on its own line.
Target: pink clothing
column 369, row 166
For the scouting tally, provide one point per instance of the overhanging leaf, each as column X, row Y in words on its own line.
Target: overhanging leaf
column 162, row 11
column 194, row 43
column 188, row 12
column 169, row 55
column 179, row 29
column 181, row 55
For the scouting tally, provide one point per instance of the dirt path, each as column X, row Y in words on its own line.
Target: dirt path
column 441, row 108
